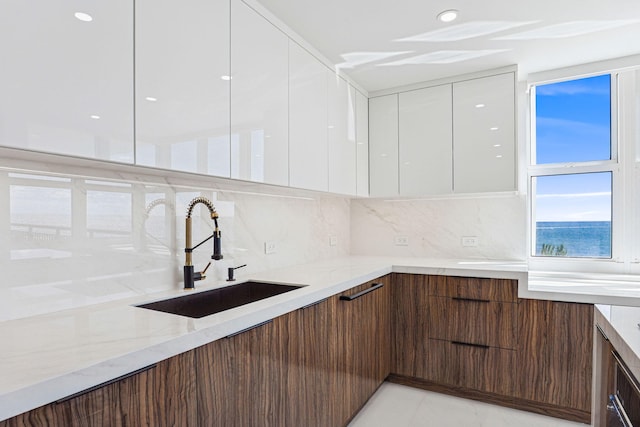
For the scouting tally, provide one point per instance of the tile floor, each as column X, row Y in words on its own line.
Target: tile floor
column 395, row 405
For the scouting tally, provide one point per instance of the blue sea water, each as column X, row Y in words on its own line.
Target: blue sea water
column 580, row 238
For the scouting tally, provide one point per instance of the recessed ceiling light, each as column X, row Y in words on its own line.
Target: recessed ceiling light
column 226, row 78
column 95, row 116
column 479, row 105
column 448, row 15
column 493, row 128
column 83, row 16
column 496, row 145
column 499, row 156
column 151, row 99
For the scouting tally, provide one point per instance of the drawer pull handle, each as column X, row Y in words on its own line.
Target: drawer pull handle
column 470, row 299
column 313, row 304
column 249, row 328
column 469, row 344
column 104, row 384
column 359, row 294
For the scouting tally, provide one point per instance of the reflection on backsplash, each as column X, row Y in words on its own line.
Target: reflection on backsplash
column 76, row 240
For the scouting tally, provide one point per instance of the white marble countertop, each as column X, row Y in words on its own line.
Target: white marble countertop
column 48, row 357
column 621, row 325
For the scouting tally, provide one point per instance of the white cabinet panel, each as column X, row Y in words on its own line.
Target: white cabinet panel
column 362, row 145
column 182, row 99
column 484, row 134
column 67, row 84
column 425, row 136
column 383, row 145
column 308, row 167
column 342, row 136
column 259, row 98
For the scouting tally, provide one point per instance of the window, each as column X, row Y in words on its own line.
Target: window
column 573, row 163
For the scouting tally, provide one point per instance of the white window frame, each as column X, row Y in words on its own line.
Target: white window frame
column 624, row 166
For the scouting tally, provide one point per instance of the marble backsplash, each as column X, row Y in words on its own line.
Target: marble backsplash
column 79, row 236
column 434, row 228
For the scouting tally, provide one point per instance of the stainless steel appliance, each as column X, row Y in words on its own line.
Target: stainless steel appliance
column 623, row 407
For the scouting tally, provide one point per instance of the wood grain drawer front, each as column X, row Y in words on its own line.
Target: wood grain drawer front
column 481, row 368
column 473, row 321
column 505, row 290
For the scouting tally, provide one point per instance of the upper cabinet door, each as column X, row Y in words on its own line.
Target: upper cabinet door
column 259, row 98
column 484, row 134
column 308, row 151
column 66, row 77
column 182, row 85
column 362, row 145
column 426, row 154
column 383, row 146
column 182, row 101
column 342, row 136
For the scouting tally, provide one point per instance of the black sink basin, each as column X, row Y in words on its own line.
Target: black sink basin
column 216, row 300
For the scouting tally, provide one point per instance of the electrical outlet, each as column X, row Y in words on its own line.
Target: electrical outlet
column 333, row 240
column 402, row 240
column 270, row 247
column 469, row 241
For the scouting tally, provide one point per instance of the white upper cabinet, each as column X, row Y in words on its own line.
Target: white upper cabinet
column 259, row 98
column 342, row 136
column 425, row 151
column 484, row 134
column 66, row 77
column 308, row 167
column 182, row 85
column 383, row 146
column 362, row 145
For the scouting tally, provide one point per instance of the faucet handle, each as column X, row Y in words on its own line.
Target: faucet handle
column 231, row 270
column 205, row 269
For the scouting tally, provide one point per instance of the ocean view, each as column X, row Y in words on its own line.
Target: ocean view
column 579, row 238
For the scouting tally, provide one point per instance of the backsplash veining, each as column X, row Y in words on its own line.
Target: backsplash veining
column 74, row 240
column 434, row 227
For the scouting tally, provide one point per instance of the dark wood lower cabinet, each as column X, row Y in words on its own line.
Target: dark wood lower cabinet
column 555, row 355
column 474, row 338
column 163, row 395
column 410, row 324
column 317, row 366
column 364, row 354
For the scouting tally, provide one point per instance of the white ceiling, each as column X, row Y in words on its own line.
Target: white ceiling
column 383, row 43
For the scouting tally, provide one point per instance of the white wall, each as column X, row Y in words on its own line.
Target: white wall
column 435, row 227
column 74, row 236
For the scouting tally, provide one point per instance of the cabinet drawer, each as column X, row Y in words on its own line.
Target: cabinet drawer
column 473, row 321
column 480, row 368
column 505, row 290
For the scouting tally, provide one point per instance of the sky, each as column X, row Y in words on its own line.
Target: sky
column 573, row 122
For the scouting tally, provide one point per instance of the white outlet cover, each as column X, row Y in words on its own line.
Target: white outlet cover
column 402, row 240
column 469, row 241
column 333, row 240
column 270, row 247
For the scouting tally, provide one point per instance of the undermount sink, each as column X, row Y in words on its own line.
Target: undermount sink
column 202, row 304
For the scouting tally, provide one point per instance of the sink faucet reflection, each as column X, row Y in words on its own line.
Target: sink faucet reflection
column 190, row 276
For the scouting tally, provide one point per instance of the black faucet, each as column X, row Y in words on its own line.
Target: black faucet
column 190, row 277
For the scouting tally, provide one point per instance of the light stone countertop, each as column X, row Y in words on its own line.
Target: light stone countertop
column 621, row 325
column 48, row 357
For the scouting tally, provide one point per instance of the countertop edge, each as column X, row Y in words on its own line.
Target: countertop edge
column 341, row 274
